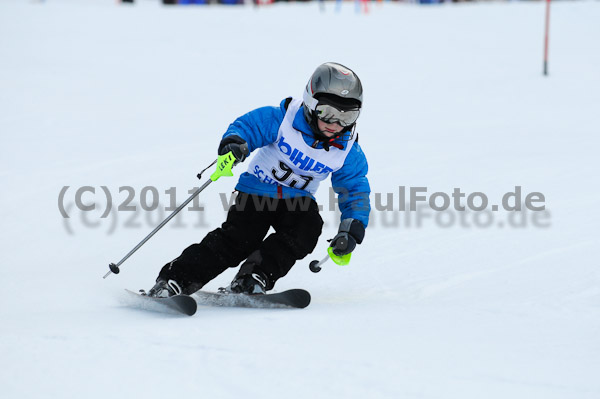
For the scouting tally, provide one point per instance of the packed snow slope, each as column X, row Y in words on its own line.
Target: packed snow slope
column 433, row 305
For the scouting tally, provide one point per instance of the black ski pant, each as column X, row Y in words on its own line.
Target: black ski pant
column 297, row 226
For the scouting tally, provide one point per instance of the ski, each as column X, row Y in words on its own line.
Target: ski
column 186, row 304
column 294, row 298
column 179, row 303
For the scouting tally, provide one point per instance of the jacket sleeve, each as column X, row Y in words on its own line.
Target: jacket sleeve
column 259, row 127
column 352, row 186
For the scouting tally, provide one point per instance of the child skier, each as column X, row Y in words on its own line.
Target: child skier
column 299, row 144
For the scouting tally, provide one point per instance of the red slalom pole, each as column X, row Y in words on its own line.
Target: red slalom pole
column 546, row 37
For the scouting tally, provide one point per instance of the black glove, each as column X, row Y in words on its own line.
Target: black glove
column 237, row 145
column 350, row 233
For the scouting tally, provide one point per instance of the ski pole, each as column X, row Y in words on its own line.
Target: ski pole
column 341, row 243
column 114, row 268
column 225, row 163
column 315, row 265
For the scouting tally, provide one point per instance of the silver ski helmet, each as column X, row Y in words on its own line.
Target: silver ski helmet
column 335, row 85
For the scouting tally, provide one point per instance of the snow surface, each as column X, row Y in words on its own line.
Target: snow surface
column 96, row 94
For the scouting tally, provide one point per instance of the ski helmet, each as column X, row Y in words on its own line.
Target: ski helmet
column 335, row 85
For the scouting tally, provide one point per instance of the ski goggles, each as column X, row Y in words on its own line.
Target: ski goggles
column 330, row 114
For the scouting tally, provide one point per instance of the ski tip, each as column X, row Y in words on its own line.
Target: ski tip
column 189, row 311
column 182, row 304
column 301, row 297
column 185, row 304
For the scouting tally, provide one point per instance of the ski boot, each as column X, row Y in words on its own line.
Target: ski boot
column 253, row 283
column 250, row 279
column 163, row 289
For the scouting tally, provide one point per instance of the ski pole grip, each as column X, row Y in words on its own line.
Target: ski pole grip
column 227, row 161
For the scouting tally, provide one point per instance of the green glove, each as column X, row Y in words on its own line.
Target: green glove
column 224, row 164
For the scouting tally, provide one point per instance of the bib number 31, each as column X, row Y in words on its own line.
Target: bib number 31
column 287, row 176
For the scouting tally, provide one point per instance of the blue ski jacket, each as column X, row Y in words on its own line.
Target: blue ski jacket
column 260, row 128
